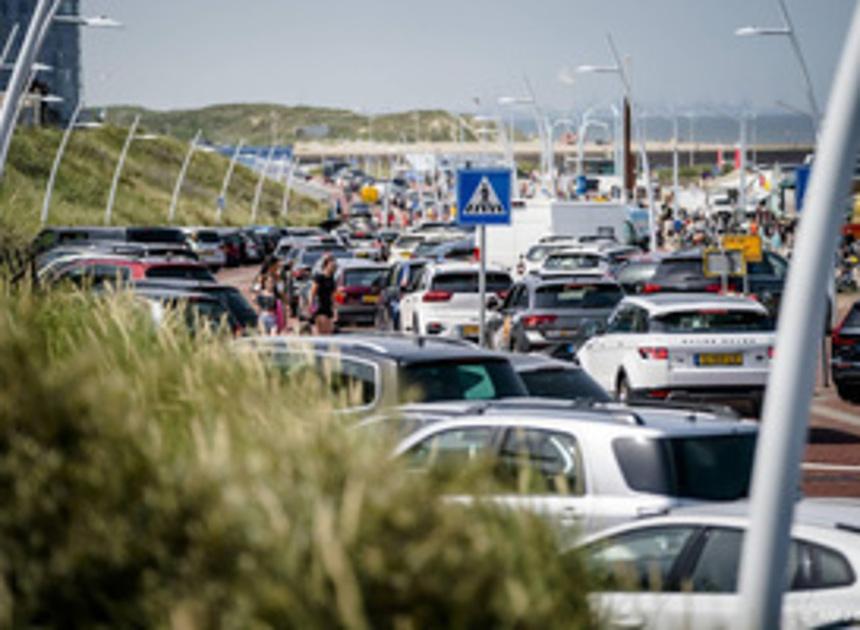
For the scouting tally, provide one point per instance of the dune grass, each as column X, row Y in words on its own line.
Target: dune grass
column 153, row 479
column 145, row 189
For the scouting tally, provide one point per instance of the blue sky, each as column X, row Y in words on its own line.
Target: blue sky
column 390, row 55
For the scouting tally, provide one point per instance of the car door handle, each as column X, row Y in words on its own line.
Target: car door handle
column 571, row 516
column 627, row 622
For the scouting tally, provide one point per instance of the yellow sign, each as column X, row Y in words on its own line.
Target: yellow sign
column 749, row 245
column 369, row 194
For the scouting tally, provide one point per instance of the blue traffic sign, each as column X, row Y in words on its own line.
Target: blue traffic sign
column 484, row 196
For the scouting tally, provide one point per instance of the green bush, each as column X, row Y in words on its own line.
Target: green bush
column 151, row 479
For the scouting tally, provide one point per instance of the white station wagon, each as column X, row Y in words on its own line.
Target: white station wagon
column 694, row 347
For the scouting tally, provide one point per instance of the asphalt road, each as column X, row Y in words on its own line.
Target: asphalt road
column 832, row 461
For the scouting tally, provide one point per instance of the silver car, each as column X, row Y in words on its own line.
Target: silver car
column 590, row 466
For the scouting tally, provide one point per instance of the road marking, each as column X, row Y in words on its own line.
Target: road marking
column 834, row 414
column 830, row 467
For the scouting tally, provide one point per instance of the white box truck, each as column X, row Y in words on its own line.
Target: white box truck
column 536, row 218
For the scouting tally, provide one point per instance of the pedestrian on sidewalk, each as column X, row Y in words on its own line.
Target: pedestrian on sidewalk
column 322, row 297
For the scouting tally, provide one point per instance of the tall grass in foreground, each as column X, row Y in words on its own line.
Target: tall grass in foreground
column 151, row 479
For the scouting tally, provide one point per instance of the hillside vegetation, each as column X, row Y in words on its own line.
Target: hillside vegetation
column 259, row 123
column 145, row 189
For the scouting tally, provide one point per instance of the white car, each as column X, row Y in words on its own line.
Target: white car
column 207, row 245
column 687, row 346
column 589, row 467
column 446, row 301
column 680, row 571
column 575, row 260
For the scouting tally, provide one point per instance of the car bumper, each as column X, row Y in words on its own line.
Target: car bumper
column 746, row 400
column 845, row 372
column 356, row 315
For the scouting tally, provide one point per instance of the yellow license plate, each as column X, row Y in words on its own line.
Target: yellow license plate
column 370, row 299
column 471, row 331
column 722, row 359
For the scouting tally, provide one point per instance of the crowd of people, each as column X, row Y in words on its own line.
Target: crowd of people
column 277, row 299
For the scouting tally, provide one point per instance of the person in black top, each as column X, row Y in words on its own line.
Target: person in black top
column 322, row 297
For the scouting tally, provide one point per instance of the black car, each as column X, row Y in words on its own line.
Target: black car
column 545, row 377
column 373, row 372
column 845, row 363
column 544, row 314
column 684, row 272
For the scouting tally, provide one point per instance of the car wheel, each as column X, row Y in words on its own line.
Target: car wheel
column 622, row 389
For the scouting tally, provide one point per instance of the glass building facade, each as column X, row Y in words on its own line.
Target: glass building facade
column 61, row 51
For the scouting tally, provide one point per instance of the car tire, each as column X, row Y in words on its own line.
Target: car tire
column 622, row 389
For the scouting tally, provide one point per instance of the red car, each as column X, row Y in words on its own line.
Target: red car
column 100, row 269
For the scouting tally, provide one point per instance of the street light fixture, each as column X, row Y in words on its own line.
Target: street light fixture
column 98, row 21
column 787, row 30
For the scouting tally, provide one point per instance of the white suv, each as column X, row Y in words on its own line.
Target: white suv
column 698, row 347
column 446, row 301
column 585, row 467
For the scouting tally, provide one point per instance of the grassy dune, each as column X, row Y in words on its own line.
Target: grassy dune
column 145, row 188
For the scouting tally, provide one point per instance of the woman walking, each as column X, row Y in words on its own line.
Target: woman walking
column 322, row 297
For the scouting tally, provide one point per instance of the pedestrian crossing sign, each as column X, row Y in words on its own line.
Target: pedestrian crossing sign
column 484, row 196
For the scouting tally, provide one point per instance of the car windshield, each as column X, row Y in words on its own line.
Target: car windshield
column 155, row 235
column 566, row 384
column 467, row 282
column 578, row 296
column 364, row 277
column 567, row 262
column 682, row 267
column 716, row 320
column 182, row 272
column 483, row 379
column 407, row 241
column 706, row 468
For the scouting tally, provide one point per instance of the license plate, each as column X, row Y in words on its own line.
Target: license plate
column 470, row 331
column 721, row 359
column 370, row 299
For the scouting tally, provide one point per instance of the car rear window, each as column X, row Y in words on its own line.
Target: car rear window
column 206, row 236
column 713, row 321
column 636, row 272
column 682, row 267
column 182, row 272
column 706, row 468
column 566, row 384
column 459, row 380
column 155, row 235
column 364, row 277
column 569, row 262
column 539, row 252
column 576, row 296
column 467, row 282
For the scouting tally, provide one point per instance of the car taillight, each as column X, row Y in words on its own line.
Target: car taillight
column 534, row 321
column 654, row 354
column 660, row 394
column 436, row 296
column 770, row 352
column 842, row 342
column 340, row 296
column 476, row 254
column 713, row 288
column 650, row 287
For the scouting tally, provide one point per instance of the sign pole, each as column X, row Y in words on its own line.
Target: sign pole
column 482, row 285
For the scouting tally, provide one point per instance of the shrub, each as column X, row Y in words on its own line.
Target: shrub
column 152, row 479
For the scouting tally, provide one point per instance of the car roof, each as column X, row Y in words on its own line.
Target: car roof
column 401, row 348
column 538, row 280
column 839, row 516
column 534, row 361
column 557, row 415
column 347, row 264
column 661, row 303
column 463, row 267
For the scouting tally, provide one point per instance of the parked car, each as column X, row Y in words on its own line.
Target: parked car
column 545, row 377
column 585, row 469
column 242, row 314
column 446, row 301
column 384, row 371
column 845, row 362
column 122, row 268
column 401, row 280
column 681, row 571
column 637, row 272
column 359, row 286
column 698, row 347
column 196, row 310
column 206, row 244
column 575, row 260
column 541, row 314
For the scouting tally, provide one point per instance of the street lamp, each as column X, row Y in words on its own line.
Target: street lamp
column 787, row 30
column 98, row 21
column 511, row 102
column 619, row 70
